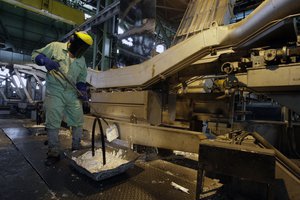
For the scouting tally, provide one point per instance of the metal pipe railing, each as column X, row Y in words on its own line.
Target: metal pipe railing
column 291, row 166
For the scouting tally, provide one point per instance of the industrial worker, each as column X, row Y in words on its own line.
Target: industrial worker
column 61, row 100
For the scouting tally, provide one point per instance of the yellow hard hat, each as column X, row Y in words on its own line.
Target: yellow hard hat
column 85, row 37
column 79, row 43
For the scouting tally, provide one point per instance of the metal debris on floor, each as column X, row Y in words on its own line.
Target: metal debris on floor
column 179, row 187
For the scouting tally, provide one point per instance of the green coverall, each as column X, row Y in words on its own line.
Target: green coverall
column 61, row 100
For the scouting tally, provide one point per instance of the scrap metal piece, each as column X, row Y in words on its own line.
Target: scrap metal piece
column 179, row 187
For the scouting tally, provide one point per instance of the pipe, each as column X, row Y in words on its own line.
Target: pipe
column 261, row 21
column 292, row 167
column 11, row 57
column 268, row 12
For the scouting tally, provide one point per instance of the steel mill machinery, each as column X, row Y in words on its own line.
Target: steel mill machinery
column 218, row 77
column 228, row 88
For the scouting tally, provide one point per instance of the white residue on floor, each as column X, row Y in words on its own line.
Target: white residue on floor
column 34, row 126
column 94, row 164
column 85, row 143
column 38, row 126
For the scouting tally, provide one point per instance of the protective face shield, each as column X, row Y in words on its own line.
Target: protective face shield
column 78, row 44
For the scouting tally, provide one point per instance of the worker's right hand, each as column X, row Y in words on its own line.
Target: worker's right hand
column 82, row 87
column 41, row 60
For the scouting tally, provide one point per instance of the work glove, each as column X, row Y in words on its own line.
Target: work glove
column 41, row 60
column 83, row 89
column 86, row 107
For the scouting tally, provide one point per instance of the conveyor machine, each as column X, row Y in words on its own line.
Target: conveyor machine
column 244, row 75
column 211, row 82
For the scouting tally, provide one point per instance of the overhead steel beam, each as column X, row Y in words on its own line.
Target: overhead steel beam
column 105, row 14
column 95, row 45
column 39, row 11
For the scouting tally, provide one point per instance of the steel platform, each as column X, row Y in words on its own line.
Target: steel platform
column 23, row 174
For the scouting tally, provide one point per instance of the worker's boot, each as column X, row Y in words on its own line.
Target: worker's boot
column 53, row 154
column 76, row 138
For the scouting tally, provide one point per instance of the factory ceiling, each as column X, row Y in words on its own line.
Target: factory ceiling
column 22, row 30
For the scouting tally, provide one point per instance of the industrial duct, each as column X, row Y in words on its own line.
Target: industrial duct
column 264, row 19
column 14, row 58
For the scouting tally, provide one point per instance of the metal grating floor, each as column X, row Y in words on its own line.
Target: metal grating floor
column 143, row 182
